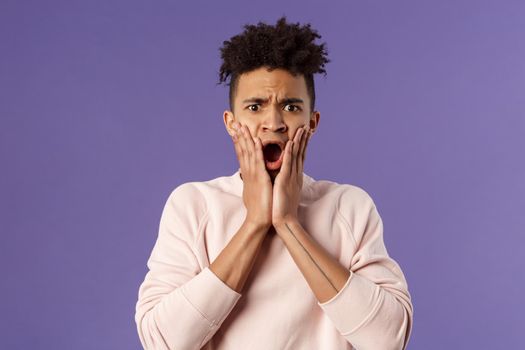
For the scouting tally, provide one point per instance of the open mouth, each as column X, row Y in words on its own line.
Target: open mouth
column 273, row 156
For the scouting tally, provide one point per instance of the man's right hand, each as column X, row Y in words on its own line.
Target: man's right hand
column 257, row 185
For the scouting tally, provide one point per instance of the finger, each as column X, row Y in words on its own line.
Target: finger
column 244, row 149
column 286, row 167
column 300, row 157
column 296, row 144
column 238, row 149
column 259, row 157
column 249, row 141
column 250, row 147
column 306, row 144
column 307, row 140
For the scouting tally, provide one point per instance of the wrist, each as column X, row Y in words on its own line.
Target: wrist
column 283, row 222
column 254, row 225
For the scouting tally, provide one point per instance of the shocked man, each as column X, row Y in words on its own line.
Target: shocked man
column 268, row 257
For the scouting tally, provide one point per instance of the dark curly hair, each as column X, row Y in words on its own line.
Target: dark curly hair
column 284, row 45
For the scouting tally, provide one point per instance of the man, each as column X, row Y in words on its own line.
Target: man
column 268, row 257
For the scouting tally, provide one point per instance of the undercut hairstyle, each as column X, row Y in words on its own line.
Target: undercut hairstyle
column 284, row 45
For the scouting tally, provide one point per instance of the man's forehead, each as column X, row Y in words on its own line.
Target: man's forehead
column 263, row 84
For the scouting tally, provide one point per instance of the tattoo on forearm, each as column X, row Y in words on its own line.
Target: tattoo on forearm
column 311, row 257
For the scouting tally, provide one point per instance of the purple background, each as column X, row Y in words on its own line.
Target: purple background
column 107, row 106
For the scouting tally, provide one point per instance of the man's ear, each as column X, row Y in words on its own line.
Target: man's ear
column 314, row 121
column 229, row 119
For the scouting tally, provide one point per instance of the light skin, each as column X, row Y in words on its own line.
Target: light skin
column 272, row 197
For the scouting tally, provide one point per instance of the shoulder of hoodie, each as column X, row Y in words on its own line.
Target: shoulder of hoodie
column 192, row 194
column 348, row 196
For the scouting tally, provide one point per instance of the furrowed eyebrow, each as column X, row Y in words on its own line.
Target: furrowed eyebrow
column 292, row 100
column 262, row 100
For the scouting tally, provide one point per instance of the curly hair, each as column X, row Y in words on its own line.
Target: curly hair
column 284, row 45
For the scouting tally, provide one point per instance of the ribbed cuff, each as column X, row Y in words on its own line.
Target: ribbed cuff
column 210, row 296
column 353, row 305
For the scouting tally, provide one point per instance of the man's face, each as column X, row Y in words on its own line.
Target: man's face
column 273, row 105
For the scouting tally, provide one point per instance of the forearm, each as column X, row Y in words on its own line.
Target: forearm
column 235, row 261
column 199, row 305
column 323, row 273
column 373, row 308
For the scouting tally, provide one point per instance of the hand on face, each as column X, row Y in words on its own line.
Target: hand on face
column 257, row 185
column 289, row 182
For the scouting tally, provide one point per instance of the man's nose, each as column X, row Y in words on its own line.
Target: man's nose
column 273, row 120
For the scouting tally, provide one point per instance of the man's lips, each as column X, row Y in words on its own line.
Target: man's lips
column 275, row 164
column 269, row 154
column 280, row 143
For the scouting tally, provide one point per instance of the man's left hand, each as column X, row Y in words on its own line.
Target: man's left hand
column 289, row 181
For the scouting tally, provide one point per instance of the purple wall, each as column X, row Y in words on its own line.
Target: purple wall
column 106, row 106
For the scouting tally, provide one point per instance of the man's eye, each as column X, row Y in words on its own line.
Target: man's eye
column 253, row 110
column 294, row 106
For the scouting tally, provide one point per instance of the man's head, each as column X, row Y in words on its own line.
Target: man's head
column 271, row 79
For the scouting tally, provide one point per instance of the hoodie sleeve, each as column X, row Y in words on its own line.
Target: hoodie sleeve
column 180, row 304
column 373, row 310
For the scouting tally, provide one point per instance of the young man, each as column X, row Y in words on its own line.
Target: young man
column 268, row 257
